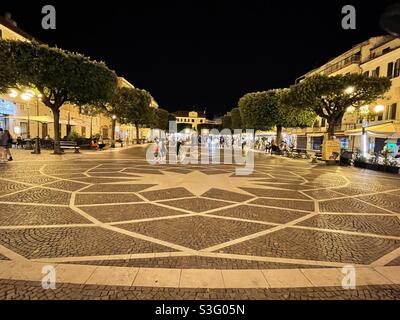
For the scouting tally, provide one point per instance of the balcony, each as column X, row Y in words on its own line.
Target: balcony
column 354, row 59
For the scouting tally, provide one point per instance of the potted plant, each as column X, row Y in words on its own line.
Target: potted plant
column 359, row 159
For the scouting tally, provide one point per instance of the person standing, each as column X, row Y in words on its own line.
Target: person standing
column 2, row 150
column 163, row 150
column 6, row 143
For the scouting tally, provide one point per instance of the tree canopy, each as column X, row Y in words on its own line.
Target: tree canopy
column 257, row 110
column 227, row 122
column 60, row 76
column 132, row 106
column 161, row 120
column 236, row 119
column 329, row 97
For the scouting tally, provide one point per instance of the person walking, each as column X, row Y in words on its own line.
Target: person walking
column 6, row 143
column 163, row 151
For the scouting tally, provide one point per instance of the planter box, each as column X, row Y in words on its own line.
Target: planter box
column 376, row 167
column 360, row 164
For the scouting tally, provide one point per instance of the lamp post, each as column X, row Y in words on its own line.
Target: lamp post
column 38, row 97
column 114, row 120
column 26, row 96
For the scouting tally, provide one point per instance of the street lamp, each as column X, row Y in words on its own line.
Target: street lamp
column 349, row 90
column 379, row 108
column 114, row 118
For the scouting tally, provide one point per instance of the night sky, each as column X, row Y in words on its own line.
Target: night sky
column 205, row 54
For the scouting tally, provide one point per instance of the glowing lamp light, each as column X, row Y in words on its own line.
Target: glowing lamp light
column 13, row 93
column 379, row 108
column 26, row 96
column 349, row 90
column 187, row 131
column 364, row 109
column 114, row 117
column 350, row 109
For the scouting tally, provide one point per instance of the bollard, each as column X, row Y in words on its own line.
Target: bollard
column 36, row 150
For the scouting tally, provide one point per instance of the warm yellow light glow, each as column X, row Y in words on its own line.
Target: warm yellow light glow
column 349, row 90
column 40, row 95
column 187, row 131
column 13, row 93
column 350, row 109
column 379, row 108
column 364, row 109
column 114, row 117
column 25, row 96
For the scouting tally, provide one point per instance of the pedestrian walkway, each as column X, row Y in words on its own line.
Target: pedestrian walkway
column 112, row 219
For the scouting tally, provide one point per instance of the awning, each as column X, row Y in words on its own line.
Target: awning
column 385, row 130
column 43, row 119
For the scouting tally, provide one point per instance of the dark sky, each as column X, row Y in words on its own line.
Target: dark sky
column 202, row 53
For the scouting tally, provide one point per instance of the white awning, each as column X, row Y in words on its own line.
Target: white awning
column 43, row 119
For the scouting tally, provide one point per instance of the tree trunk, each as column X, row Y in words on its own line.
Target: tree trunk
column 57, row 133
column 331, row 129
column 137, row 133
column 278, row 134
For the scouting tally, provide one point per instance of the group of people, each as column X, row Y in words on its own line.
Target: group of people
column 5, row 145
column 160, row 150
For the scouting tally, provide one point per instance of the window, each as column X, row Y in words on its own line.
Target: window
column 375, row 73
column 396, row 72
column 390, row 70
column 1, row 33
column 392, row 112
column 83, row 132
column 366, row 73
column 323, row 122
column 105, row 133
column 386, row 50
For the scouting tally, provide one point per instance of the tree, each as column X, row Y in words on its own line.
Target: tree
column 329, row 97
column 161, row 119
column 60, row 76
column 257, row 110
column 132, row 105
column 236, row 119
column 227, row 122
column 288, row 116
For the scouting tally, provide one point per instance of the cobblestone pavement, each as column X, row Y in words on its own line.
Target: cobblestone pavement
column 114, row 209
column 10, row 290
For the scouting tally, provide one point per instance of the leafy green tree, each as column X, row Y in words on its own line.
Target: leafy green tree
column 329, row 97
column 132, row 106
column 258, row 110
column 236, row 119
column 161, row 119
column 60, row 76
column 288, row 116
column 227, row 122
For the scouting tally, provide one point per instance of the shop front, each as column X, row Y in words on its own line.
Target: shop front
column 7, row 109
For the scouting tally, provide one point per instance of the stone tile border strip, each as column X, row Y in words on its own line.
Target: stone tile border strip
column 198, row 278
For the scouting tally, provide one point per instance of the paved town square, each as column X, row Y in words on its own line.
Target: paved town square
column 116, row 227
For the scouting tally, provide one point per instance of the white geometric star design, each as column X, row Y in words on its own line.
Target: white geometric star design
column 197, row 182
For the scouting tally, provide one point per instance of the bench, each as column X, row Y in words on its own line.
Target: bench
column 69, row 145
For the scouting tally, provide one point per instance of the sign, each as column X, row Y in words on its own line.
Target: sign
column 331, row 150
column 7, row 107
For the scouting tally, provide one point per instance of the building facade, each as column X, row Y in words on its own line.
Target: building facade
column 25, row 116
column 378, row 56
column 193, row 118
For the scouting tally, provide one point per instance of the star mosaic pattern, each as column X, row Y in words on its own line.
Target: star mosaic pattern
column 126, row 212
